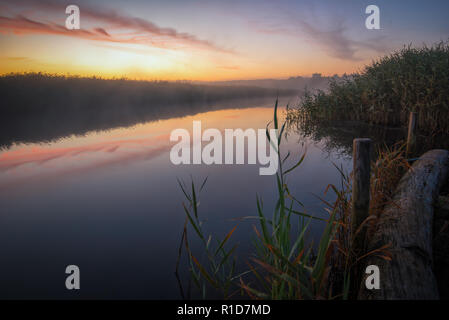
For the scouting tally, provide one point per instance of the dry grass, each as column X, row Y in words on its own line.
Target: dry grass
column 386, row 171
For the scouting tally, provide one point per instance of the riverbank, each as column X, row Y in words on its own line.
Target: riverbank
column 46, row 107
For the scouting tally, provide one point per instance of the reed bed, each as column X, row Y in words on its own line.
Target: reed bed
column 411, row 79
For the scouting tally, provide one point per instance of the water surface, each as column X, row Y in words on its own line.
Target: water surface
column 109, row 202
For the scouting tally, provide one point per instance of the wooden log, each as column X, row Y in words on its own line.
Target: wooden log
column 360, row 190
column 442, row 208
column 406, row 225
column 411, row 136
column 441, row 246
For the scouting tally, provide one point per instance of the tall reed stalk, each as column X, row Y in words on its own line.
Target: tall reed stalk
column 285, row 265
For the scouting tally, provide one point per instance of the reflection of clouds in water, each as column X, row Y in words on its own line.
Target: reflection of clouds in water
column 52, row 174
column 41, row 163
column 40, row 155
column 113, row 149
column 233, row 116
column 23, row 164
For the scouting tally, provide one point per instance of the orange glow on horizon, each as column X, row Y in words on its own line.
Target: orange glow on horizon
column 282, row 71
column 118, row 45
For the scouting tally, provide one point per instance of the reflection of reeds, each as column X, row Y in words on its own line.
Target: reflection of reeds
column 336, row 137
column 386, row 91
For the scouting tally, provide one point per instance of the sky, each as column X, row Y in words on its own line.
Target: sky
column 210, row 40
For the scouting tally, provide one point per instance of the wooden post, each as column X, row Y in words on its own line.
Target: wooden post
column 360, row 190
column 411, row 137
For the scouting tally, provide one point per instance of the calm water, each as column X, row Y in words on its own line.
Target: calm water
column 109, row 202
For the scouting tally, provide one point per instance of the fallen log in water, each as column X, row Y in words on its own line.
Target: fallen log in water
column 406, row 224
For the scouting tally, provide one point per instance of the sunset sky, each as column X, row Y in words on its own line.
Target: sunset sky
column 210, row 40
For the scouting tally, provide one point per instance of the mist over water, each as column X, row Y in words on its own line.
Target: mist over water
column 109, row 202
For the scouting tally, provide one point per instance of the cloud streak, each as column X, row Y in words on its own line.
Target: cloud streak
column 127, row 29
column 338, row 44
column 333, row 40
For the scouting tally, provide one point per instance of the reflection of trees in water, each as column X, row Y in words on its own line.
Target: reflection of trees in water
column 50, row 126
column 337, row 136
column 44, row 108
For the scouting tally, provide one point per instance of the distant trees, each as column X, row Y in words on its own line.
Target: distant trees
column 37, row 106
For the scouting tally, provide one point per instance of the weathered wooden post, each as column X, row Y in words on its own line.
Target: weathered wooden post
column 411, row 136
column 360, row 190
